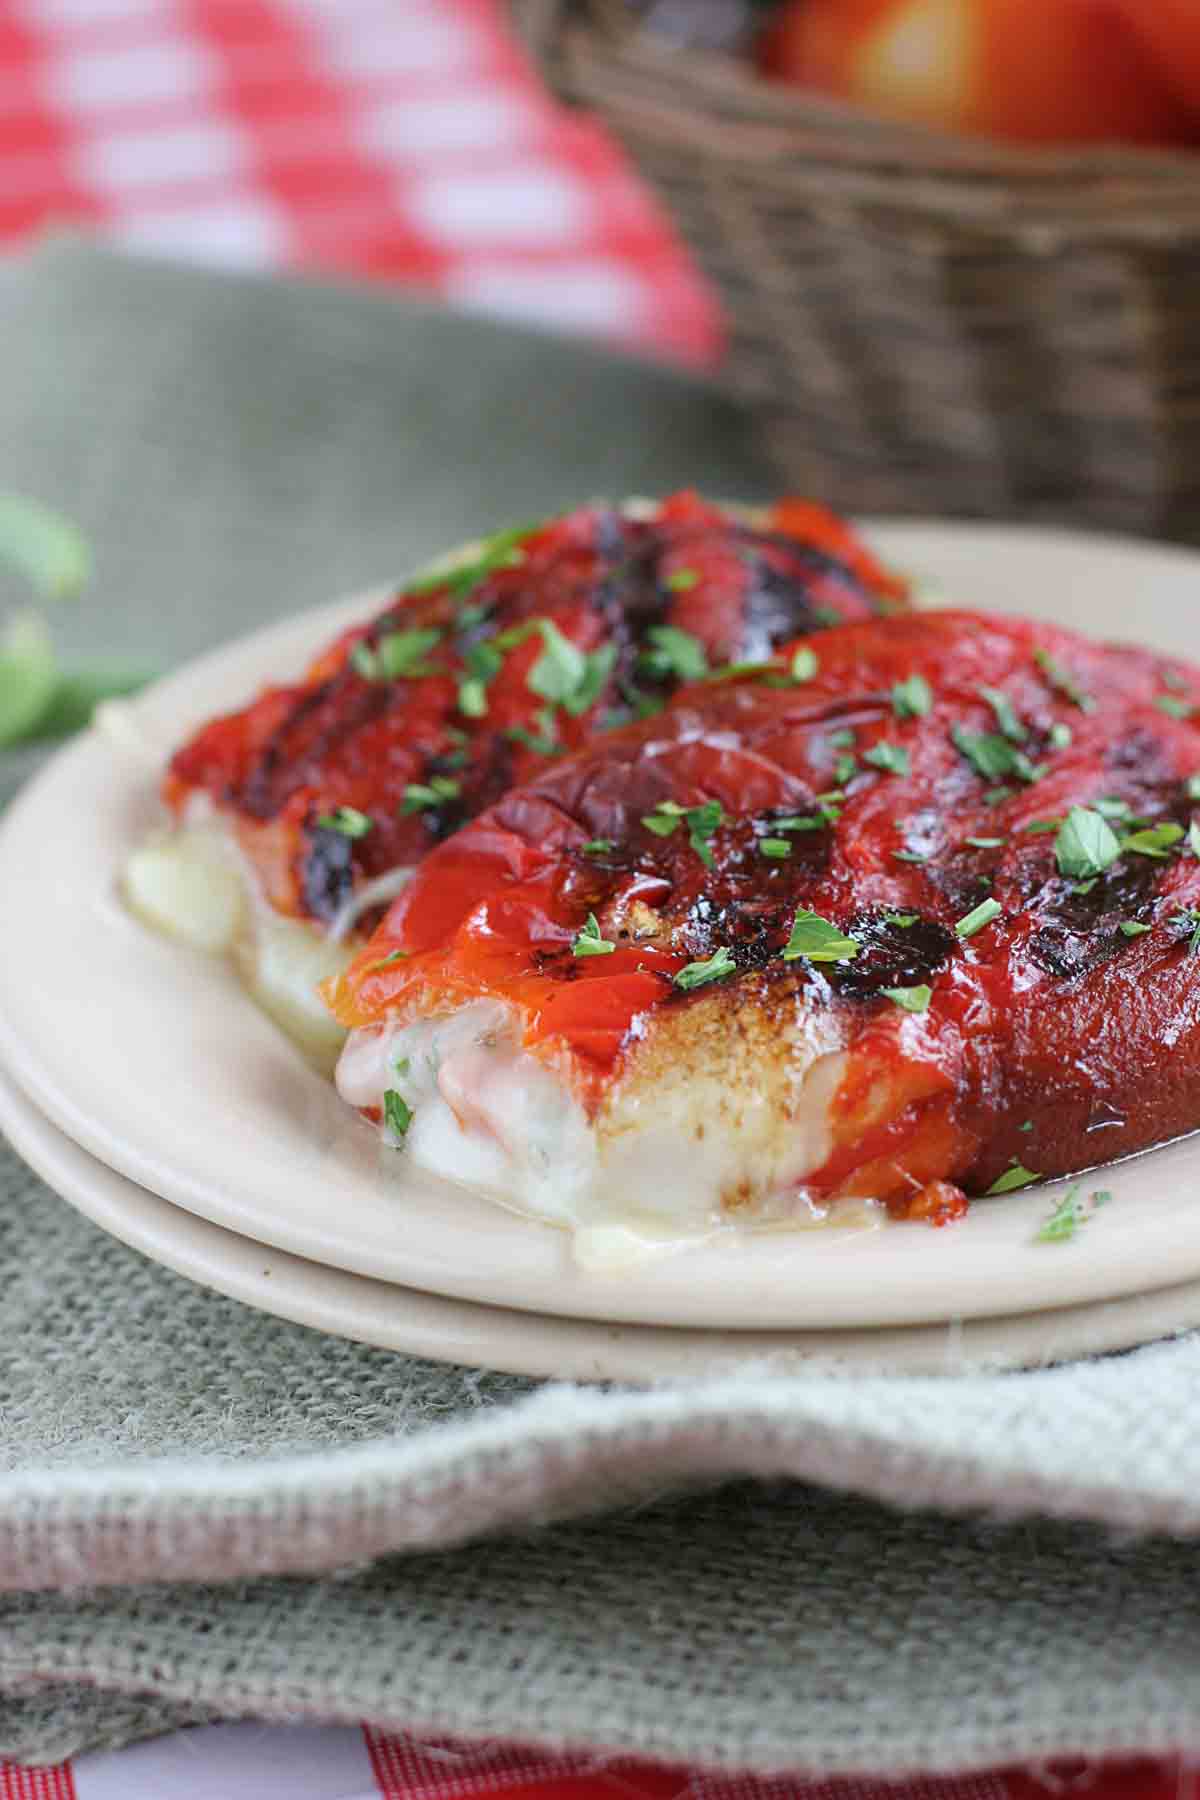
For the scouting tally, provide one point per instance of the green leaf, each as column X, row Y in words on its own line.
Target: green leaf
column 597, row 846
column 696, row 974
column 561, row 668
column 912, row 999
column 420, row 796
column 1064, row 1221
column 804, row 664
column 674, row 652
column 818, row 939
column 589, row 942
column 702, row 822
column 1018, row 1176
column 845, row 769
column 1173, row 706
column 665, row 817
column 384, row 961
column 843, row 739
column 1006, row 718
column 993, row 756
column 1155, row 840
column 1062, row 680
column 472, row 698
column 892, row 758
column 680, row 581
column 913, row 698
column 44, row 547
column 978, row 917
column 911, row 856
column 774, row 847
column 397, row 1114
column 500, row 551
column 396, row 655
column 598, row 666
column 1131, row 928
column 346, row 820
column 1060, row 736
column 28, row 675
column 903, row 920
column 1086, row 844
column 982, row 843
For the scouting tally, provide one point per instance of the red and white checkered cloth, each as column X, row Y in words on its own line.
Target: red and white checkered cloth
column 398, row 140
column 249, row 1762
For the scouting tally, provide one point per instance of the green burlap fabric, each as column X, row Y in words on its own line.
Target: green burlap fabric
column 205, row 1512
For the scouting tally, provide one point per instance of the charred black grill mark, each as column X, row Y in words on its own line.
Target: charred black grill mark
column 890, row 955
column 327, row 872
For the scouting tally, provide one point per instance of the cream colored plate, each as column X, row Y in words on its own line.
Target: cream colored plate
column 150, row 1058
column 528, row 1344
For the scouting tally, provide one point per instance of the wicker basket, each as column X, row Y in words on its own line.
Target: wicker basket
column 925, row 323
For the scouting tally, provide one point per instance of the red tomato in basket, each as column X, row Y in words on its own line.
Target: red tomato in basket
column 1169, row 31
column 1048, row 71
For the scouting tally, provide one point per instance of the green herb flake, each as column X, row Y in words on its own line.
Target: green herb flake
column 1189, row 918
column 681, row 581
column 982, row 843
column 1155, row 840
column 1061, row 736
column 774, row 847
column 903, row 920
column 1036, row 826
column 397, row 655
column 697, row 974
column 1173, row 706
column 1132, row 928
column 420, row 796
column 597, row 846
column 1063, row 681
column 346, row 820
column 843, row 739
column 397, row 1115
column 1017, row 1176
column 393, row 956
column 912, row 999
column 818, row 939
column 663, row 820
column 892, row 758
column 702, row 822
column 803, row 822
column 542, row 743
column 1006, row 718
column 845, row 769
column 978, row 917
column 674, row 653
column 997, row 796
column 804, row 665
column 911, row 856
column 1064, row 1221
column 589, row 942
column 993, row 756
column 912, row 698
column 1086, row 844
column 1027, row 1126
column 472, row 698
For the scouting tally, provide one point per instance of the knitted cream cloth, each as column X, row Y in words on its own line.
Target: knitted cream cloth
column 204, row 1511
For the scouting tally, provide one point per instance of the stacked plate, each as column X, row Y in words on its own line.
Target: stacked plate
column 143, row 1085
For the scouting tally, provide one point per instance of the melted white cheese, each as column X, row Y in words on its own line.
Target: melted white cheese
column 639, row 1177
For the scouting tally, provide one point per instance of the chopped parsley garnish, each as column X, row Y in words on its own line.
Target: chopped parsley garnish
column 597, row 846
column 818, row 939
column 1063, row 681
column 680, row 581
column 347, row 820
column 1110, row 807
column 1027, row 1126
column 912, row 999
column 803, row 665
column 774, row 847
column 845, row 769
column 391, row 957
column 996, row 796
column 1189, row 918
column 912, row 856
column 803, row 822
column 1017, row 1176
column 892, row 758
column 842, row 740
column 1131, row 928
column 1039, row 825
column 1006, row 718
column 731, row 671
column 903, row 920
column 1069, row 1215
column 982, row 843
column 978, row 917
column 472, row 697
column 663, row 820
column 993, row 757
column 500, row 551
column 589, row 941
column 718, row 965
column 674, row 652
column 397, row 1113
column 1155, row 840
column 1060, row 736
column 702, row 821
column 563, row 674
column 419, row 796
column 484, row 662
column 1173, row 706
column 397, row 654
column 912, row 698
column 1086, row 844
